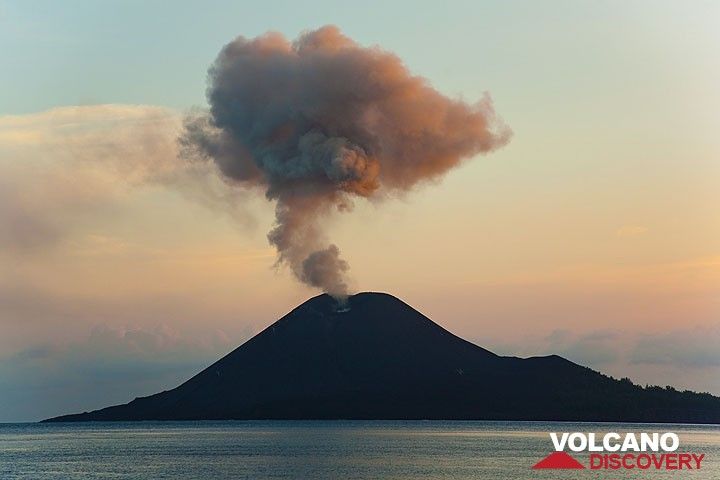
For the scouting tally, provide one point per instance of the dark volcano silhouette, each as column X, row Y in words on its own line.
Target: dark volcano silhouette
column 377, row 358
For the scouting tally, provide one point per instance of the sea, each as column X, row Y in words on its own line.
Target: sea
column 215, row 450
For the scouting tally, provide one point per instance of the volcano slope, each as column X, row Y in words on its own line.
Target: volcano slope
column 376, row 357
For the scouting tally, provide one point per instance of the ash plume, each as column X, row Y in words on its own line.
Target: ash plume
column 319, row 121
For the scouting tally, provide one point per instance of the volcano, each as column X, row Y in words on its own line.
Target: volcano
column 375, row 357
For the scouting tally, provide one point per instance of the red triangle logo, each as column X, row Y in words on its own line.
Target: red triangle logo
column 559, row 460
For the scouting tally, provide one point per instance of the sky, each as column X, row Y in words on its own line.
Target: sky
column 592, row 234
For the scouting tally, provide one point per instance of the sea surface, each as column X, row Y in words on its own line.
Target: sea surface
column 317, row 450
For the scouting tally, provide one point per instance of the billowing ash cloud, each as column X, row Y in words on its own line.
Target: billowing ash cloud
column 320, row 120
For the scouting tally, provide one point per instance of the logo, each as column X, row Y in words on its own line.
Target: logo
column 644, row 451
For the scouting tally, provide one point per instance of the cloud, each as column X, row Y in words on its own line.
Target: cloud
column 63, row 167
column 692, row 348
column 628, row 231
column 111, row 365
column 594, row 348
column 697, row 347
column 684, row 359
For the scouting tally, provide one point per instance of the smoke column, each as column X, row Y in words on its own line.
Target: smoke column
column 317, row 122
